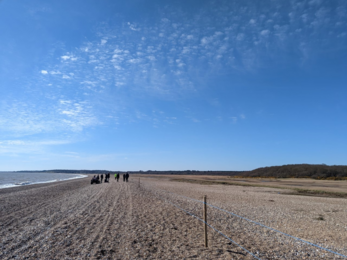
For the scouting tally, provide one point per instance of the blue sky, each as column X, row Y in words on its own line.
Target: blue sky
column 172, row 85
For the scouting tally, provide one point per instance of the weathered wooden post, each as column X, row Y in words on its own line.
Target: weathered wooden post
column 205, row 222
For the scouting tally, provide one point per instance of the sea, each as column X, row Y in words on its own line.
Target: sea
column 15, row 179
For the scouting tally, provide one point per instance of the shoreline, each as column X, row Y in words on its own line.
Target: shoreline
column 8, row 186
column 19, row 188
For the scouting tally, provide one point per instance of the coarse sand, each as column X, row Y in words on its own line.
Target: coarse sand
column 144, row 220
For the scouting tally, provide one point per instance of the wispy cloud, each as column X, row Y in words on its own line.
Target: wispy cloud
column 171, row 58
column 24, row 118
column 16, row 147
column 133, row 27
column 237, row 119
column 240, row 38
column 76, row 115
column 68, row 57
column 234, row 119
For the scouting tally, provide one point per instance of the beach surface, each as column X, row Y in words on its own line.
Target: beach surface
column 145, row 219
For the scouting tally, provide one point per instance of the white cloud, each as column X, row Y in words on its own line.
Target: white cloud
column 77, row 115
column 205, row 40
column 17, row 147
column 64, row 102
column 55, row 72
column 240, row 37
column 119, row 84
column 88, row 82
column 35, row 143
column 186, row 50
column 65, row 57
column 44, row 72
column 134, row 60
column 133, row 27
column 68, row 57
column 69, row 113
column 265, row 32
column 28, row 118
column 142, row 62
column 234, row 119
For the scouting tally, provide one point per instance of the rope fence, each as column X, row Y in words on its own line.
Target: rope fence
column 210, row 227
column 246, row 219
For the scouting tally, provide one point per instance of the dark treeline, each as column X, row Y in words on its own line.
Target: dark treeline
column 314, row 171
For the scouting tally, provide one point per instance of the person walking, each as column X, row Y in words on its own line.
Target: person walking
column 101, row 177
column 117, row 177
column 126, row 177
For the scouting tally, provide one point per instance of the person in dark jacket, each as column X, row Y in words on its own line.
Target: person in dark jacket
column 126, row 177
column 101, row 177
column 93, row 180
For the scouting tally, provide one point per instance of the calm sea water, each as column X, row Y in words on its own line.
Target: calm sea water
column 13, row 179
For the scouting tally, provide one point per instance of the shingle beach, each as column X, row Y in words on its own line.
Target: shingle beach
column 76, row 220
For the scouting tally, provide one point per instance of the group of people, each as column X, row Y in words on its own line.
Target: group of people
column 98, row 179
column 125, row 177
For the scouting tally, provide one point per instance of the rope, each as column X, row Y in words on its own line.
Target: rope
column 212, row 228
column 262, row 225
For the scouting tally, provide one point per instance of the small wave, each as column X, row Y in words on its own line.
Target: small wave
column 64, row 179
column 23, row 183
column 11, row 185
column 40, row 182
column 4, row 186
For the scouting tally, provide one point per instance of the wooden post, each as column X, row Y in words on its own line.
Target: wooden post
column 205, row 222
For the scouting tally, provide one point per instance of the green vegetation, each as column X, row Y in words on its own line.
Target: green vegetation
column 314, row 171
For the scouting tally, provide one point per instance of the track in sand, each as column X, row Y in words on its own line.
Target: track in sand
column 118, row 220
